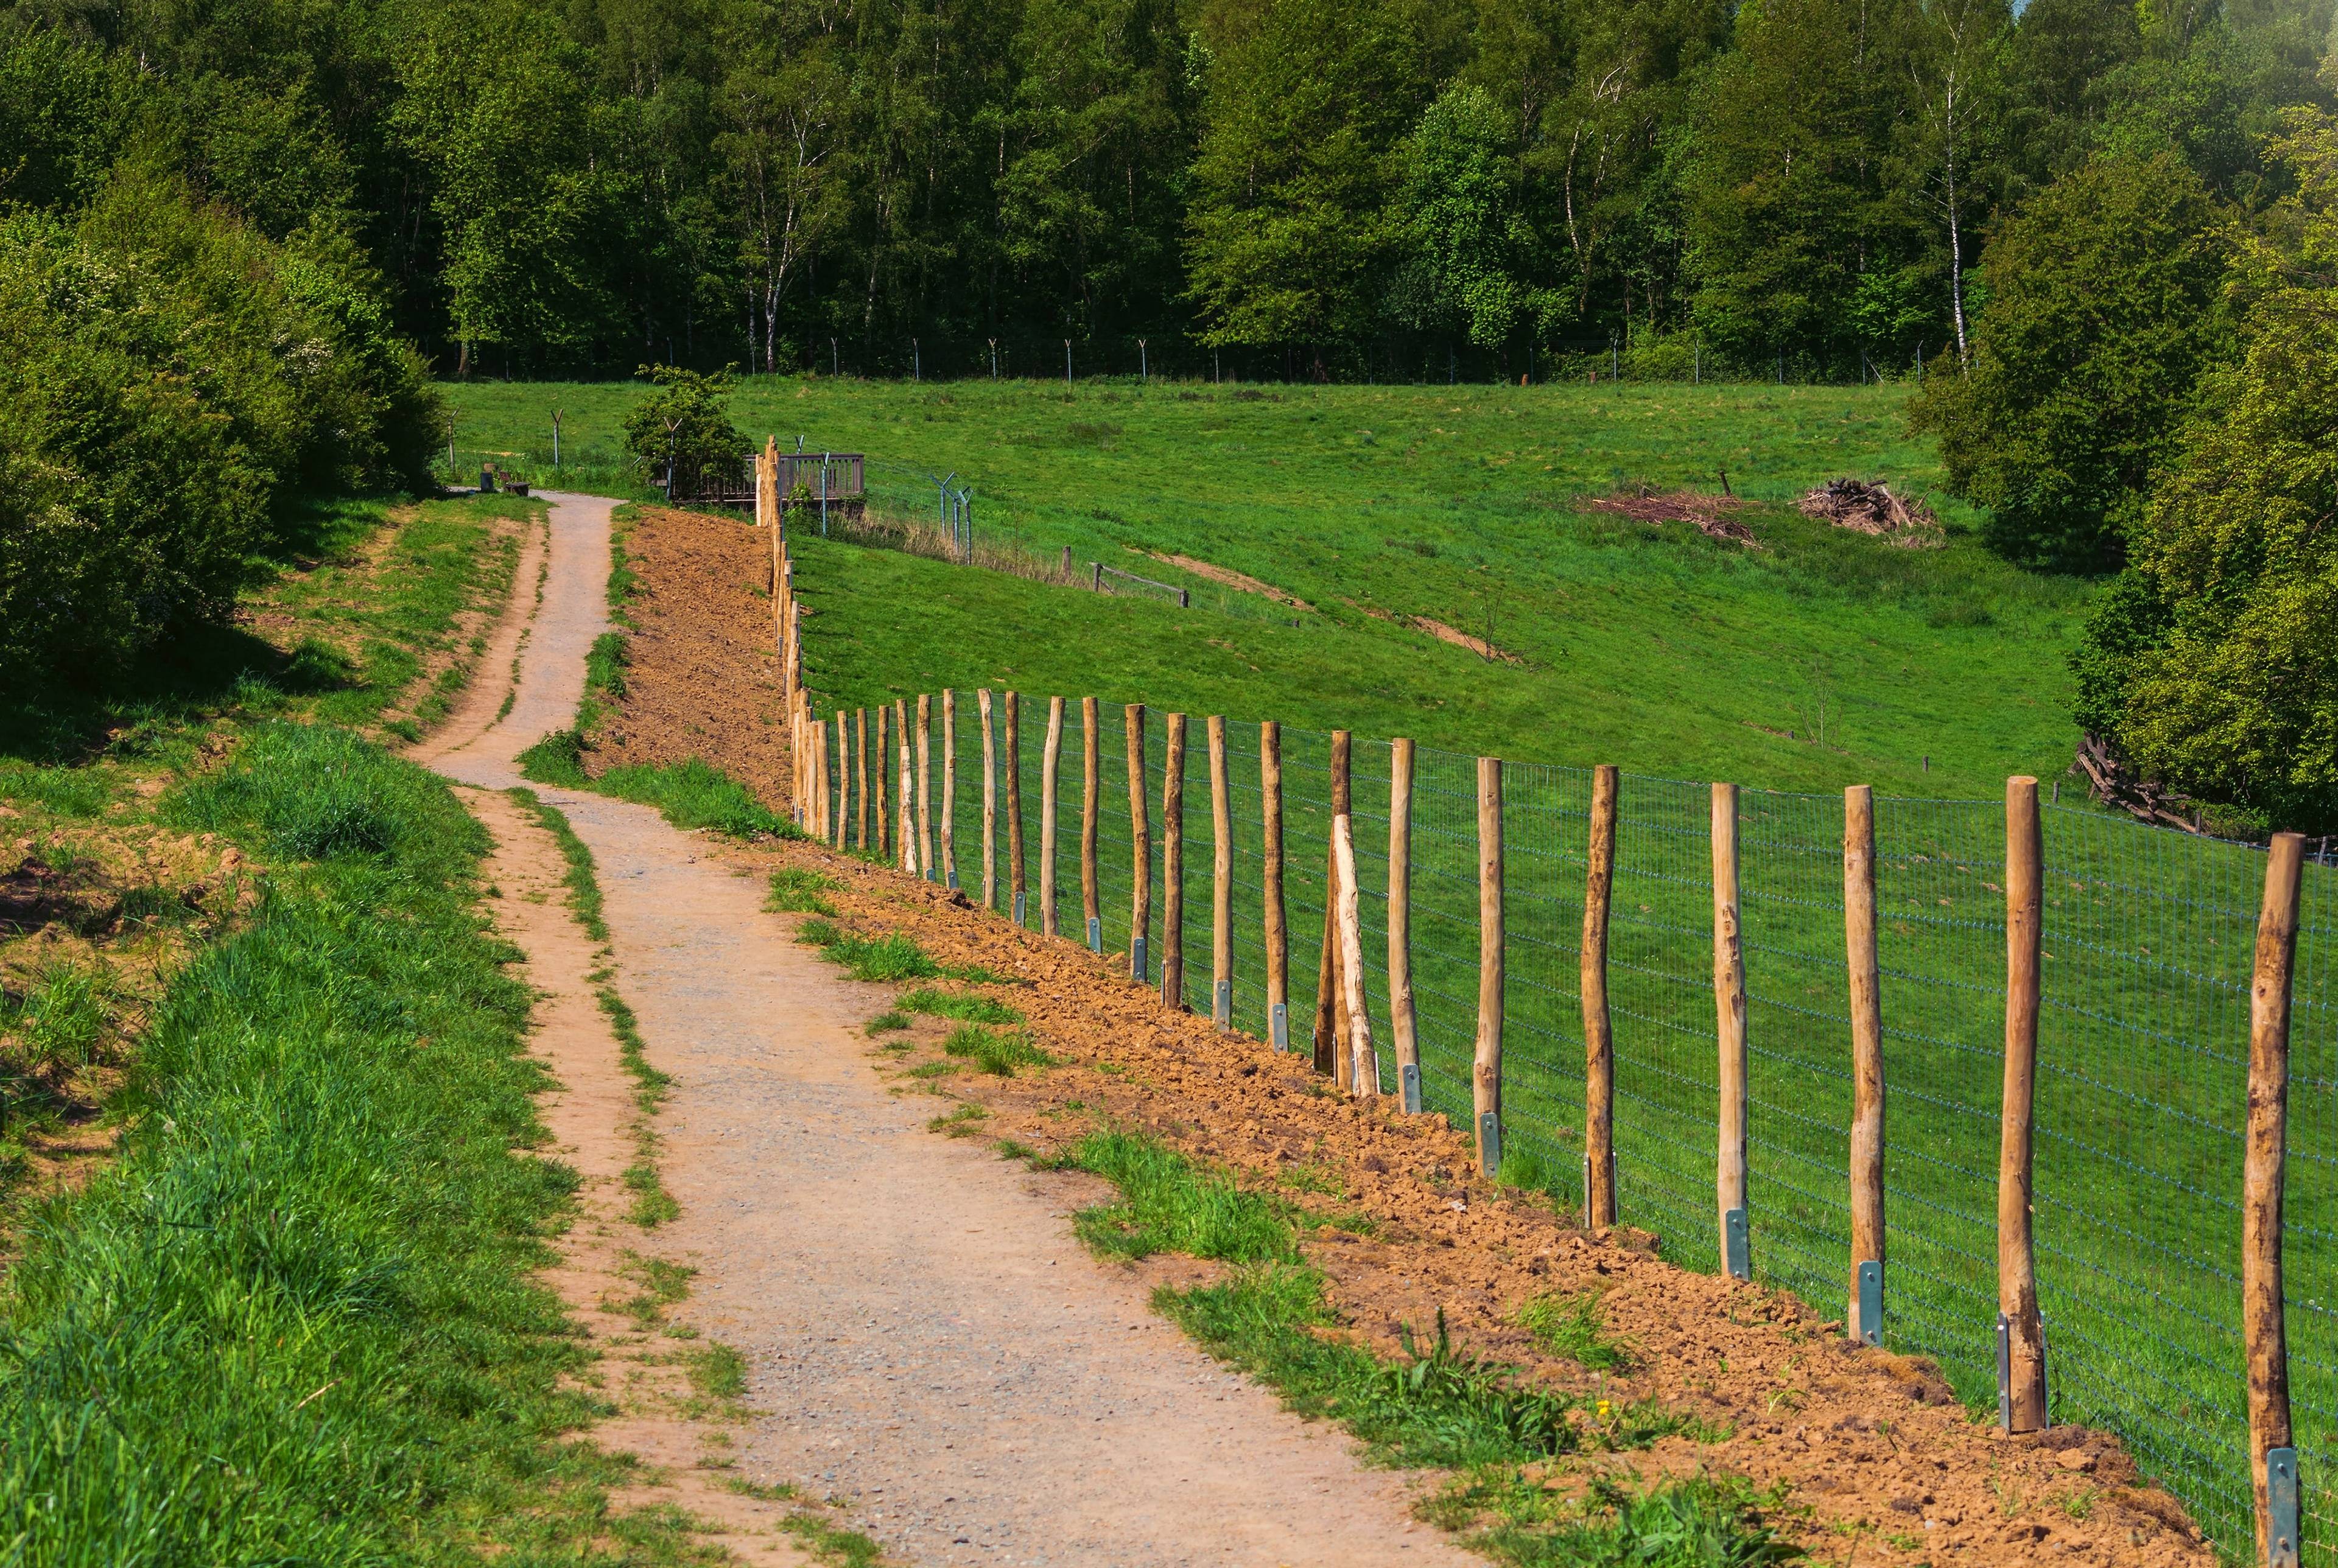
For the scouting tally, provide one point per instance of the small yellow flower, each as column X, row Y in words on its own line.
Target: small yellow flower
column 1605, row 1409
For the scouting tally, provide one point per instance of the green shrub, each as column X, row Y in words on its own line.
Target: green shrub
column 683, row 426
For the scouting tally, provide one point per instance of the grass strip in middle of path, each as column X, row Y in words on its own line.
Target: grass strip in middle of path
column 652, row 1204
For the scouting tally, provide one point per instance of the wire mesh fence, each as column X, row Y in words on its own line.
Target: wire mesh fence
column 2141, row 1096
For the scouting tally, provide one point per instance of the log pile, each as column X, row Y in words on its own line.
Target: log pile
column 2114, row 783
column 1865, row 508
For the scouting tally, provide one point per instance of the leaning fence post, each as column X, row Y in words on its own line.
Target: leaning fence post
column 1221, row 882
column 1140, row 837
column 1363, row 1073
column 1331, row 1025
column 1598, row 1032
column 926, row 785
column 949, row 786
column 1402, row 1025
column 1729, row 1007
column 1091, row 803
column 1865, row 1316
column 2272, row 1448
column 1048, row 758
column 908, row 836
column 1486, row 1066
column 1172, row 865
column 1011, row 722
column 2020, row 1334
column 990, row 802
column 1277, row 929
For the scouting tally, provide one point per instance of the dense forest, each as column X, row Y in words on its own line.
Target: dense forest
column 1386, row 188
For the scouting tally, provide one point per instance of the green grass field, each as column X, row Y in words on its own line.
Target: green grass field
column 1818, row 660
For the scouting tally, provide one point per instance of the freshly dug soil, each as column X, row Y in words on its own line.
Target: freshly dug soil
column 1874, row 1447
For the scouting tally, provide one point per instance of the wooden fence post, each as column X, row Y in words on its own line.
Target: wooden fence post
column 885, row 845
column 1598, row 1032
column 1331, row 1025
column 926, row 785
column 990, row 802
column 2272, row 1451
column 949, row 786
column 2020, row 1334
column 1221, row 882
column 860, row 779
column 907, row 834
column 1486, row 1067
column 1864, row 1317
column 1729, row 1008
column 1172, row 865
column 1091, row 806
column 1011, row 722
column 1140, row 833
column 819, row 780
column 1363, row 1068
column 839, row 819
column 1402, row 1025
column 1278, row 930
column 1048, row 758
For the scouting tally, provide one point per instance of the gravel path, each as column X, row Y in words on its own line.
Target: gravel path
column 927, row 1341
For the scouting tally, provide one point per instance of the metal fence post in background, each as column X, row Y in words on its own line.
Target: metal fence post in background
column 949, row 786
column 1048, row 758
column 1277, row 928
column 1011, row 722
column 1486, row 1066
column 1402, row 1026
column 2272, row 1451
column 1091, row 804
column 2020, row 1334
column 1172, row 865
column 1598, row 1033
column 1864, row 1319
column 1139, row 834
column 989, row 801
column 1729, row 1007
column 1221, row 882
column 925, row 785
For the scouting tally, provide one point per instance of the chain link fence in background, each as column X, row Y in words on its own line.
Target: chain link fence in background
column 2141, row 1096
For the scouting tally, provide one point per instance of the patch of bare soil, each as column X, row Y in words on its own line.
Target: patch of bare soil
column 1872, row 508
column 1228, row 576
column 702, row 680
column 1872, row 1445
column 1460, row 639
column 1710, row 514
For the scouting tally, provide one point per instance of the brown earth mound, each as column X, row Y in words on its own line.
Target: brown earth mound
column 1865, row 508
column 1877, row 1458
column 1710, row 514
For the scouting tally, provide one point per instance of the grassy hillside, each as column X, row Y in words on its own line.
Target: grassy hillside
column 1818, row 659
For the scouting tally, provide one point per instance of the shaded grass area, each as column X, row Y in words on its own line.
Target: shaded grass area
column 1435, row 1407
column 296, row 1321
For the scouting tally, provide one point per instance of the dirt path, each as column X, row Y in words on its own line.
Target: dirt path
column 926, row 1340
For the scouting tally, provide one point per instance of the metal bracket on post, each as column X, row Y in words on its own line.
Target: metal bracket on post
column 2281, row 1508
column 1018, row 908
column 1411, row 1076
column 953, row 880
column 1096, row 935
column 2004, row 1374
column 1136, row 958
column 1585, row 1212
column 1278, row 1027
column 1870, row 1302
column 1737, row 1244
column 1490, row 1141
column 1221, row 1005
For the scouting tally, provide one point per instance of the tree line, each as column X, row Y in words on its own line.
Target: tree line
column 1390, row 188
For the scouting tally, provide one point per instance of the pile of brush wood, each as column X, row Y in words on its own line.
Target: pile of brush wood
column 1865, row 508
